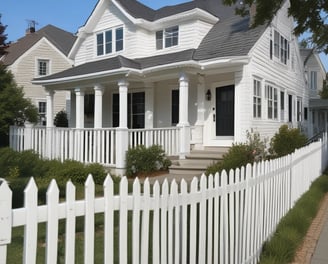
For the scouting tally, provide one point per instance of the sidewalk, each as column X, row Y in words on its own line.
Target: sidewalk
column 320, row 255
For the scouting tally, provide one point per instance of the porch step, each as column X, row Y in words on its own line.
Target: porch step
column 197, row 161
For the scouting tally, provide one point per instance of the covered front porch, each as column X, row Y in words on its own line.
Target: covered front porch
column 179, row 107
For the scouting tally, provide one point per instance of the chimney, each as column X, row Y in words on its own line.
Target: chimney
column 252, row 14
column 30, row 27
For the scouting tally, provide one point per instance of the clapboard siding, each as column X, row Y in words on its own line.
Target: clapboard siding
column 138, row 42
column 288, row 78
column 25, row 69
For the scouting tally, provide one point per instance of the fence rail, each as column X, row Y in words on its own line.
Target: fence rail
column 218, row 219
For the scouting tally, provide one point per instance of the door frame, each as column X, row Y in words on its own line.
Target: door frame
column 220, row 140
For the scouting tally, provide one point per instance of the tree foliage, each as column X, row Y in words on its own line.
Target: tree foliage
column 3, row 38
column 14, row 108
column 310, row 16
column 324, row 92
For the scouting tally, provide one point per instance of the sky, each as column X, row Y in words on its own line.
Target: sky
column 65, row 14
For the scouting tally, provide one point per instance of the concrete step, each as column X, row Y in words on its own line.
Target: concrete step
column 197, row 161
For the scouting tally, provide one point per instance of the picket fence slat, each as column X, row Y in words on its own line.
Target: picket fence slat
column 224, row 218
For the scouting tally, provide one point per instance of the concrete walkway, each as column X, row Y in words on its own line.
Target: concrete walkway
column 320, row 255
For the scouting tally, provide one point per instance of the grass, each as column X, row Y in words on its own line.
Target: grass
column 281, row 248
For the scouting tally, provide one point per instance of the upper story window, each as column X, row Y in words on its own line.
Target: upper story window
column 313, row 80
column 43, row 67
column 168, row 37
column 281, row 48
column 110, row 41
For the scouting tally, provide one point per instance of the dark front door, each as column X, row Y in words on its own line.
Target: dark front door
column 225, row 111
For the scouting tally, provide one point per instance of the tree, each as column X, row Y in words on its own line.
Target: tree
column 310, row 17
column 324, row 92
column 14, row 108
column 3, row 38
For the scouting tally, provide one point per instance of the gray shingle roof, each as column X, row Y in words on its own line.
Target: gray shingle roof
column 231, row 36
column 63, row 40
column 120, row 62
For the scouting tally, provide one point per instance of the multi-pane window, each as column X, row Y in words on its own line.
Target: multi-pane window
column 272, row 96
column 281, row 48
column 168, row 37
column 43, row 67
column 136, row 110
column 313, row 80
column 109, row 41
column 42, row 109
column 299, row 109
column 257, row 101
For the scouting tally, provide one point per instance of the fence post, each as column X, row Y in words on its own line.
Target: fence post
column 5, row 220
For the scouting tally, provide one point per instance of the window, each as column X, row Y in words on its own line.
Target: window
column 136, row 110
column 257, row 99
column 168, row 37
column 281, row 48
column 299, row 109
column 110, row 41
column 282, row 106
column 305, row 113
column 313, row 80
column 43, row 67
column 89, row 104
column 272, row 96
column 175, row 107
column 42, row 109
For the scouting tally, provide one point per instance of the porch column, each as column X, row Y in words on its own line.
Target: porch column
column 197, row 133
column 79, row 113
column 49, row 147
column 122, row 134
column 149, row 105
column 183, row 115
column 99, row 91
column 50, row 108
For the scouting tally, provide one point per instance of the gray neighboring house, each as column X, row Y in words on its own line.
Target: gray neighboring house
column 40, row 53
column 315, row 74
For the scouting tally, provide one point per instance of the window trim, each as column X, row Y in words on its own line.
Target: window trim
column 313, row 80
column 281, row 48
column 257, row 98
column 48, row 66
column 103, row 49
column 272, row 101
column 163, row 36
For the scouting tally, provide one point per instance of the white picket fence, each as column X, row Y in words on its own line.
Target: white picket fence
column 220, row 219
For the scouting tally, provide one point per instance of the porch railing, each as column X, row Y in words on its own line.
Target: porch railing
column 89, row 145
column 84, row 145
column 167, row 138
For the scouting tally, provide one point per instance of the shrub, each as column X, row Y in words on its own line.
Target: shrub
column 61, row 119
column 286, row 141
column 146, row 160
column 238, row 155
column 241, row 154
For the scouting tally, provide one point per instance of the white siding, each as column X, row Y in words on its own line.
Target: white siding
column 138, row 42
column 288, row 78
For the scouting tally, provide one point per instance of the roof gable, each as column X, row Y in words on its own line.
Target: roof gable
column 61, row 39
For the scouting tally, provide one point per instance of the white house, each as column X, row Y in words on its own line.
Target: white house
column 315, row 74
column 187, row 76
column 38, row 54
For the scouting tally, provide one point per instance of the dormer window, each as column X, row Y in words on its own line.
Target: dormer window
column 110, row 41
column 168, row 37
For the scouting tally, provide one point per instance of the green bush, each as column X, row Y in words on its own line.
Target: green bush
column 61, row 119
column 238, row 155
column 146, row 160
column 241, row 154
column 286, row 141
